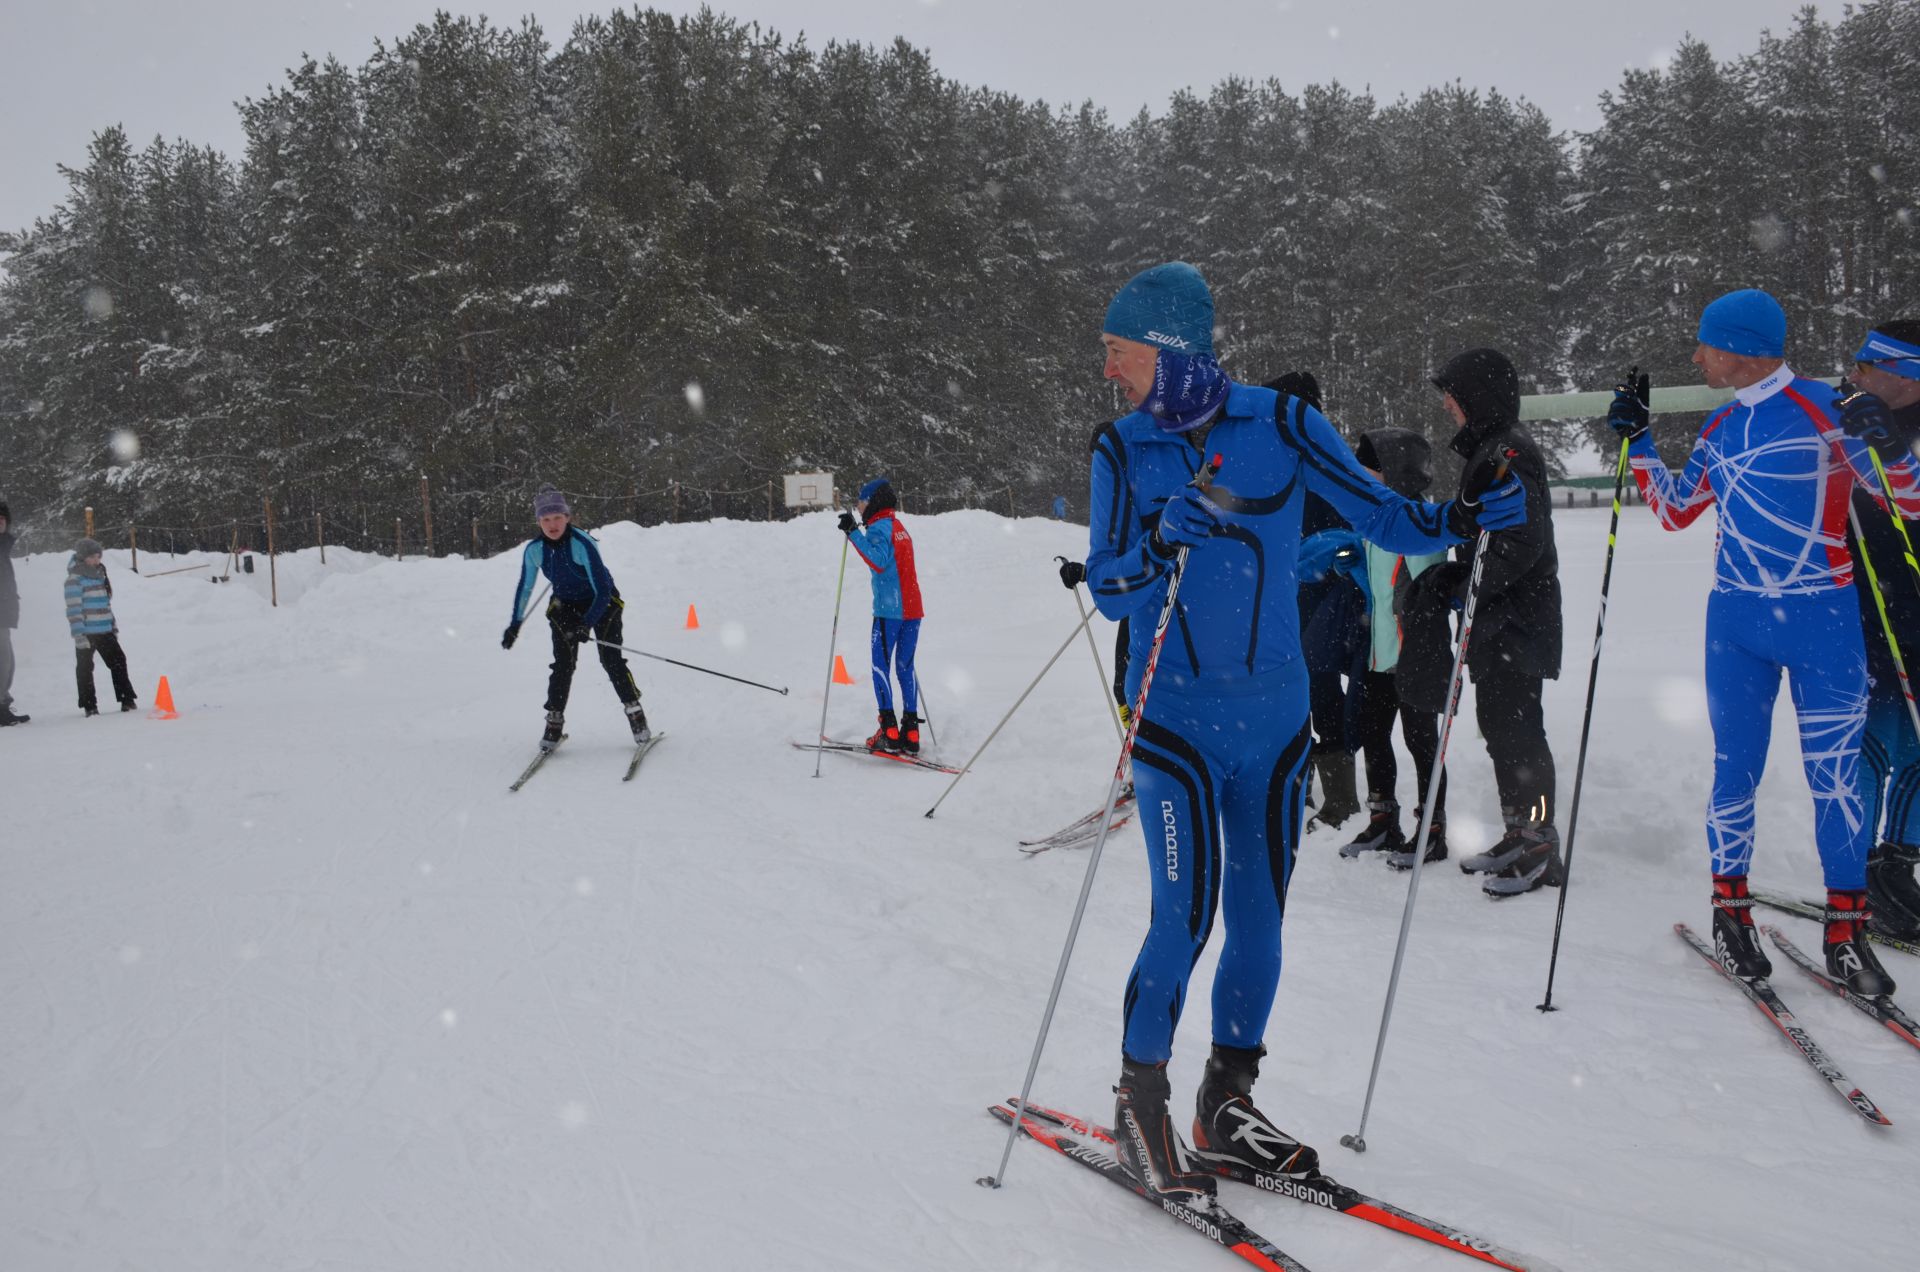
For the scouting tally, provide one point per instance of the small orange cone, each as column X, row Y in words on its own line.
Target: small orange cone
column 163, row 702
column 693, row 619
column 840, row 676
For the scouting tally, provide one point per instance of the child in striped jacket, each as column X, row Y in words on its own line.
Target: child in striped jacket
column 90, row 619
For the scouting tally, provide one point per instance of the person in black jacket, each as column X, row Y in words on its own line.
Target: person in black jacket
column 9, row 618
column 1516, row 627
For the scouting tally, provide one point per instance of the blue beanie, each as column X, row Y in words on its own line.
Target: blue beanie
column 872, row 488
column 550, row 502
column 1750, row 323
column 1168, row 305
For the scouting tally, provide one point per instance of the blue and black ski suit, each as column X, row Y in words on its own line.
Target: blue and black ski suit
column 1223, row 745
column 584, row 597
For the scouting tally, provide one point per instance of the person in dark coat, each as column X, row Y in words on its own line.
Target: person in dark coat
column 1515, row 646
column 9, row 618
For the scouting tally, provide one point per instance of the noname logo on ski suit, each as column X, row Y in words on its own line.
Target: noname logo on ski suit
column 1172, row 828
column 1171, row 342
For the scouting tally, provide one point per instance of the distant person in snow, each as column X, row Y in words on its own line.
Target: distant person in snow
column 1772, row 462
column 1515, row 646
column 9, row 618
column 90, row 619
column 585, row 606
column 886, row 547
column 1888, row 367
column 1221, row 755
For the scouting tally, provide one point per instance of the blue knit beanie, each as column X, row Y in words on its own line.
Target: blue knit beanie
column 550, row 502
column 1168, row 305
column 1750, row 323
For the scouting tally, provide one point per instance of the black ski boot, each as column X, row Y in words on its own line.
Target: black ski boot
column 1402, row 859
column 1381, row 833
column 1531, row 859
column 887, row 736
column 1148, row 1146
column 637, row 721
column 1339, row 796
column 1229, row 1126
column 1736, row 942
column 129, row 704
column 910, row 733
column 551, row 738
column 9, row 717
column 1850, row 958
column 1892, row 895
column 1483, row 862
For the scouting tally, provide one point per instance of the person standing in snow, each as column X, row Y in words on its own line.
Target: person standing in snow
column 887, row 549
column 1778, row 466
column 585, row 606
column 1404, row 461
column 1221, row 756
column 1888, row 367
column 1516, row 622
column 9, row 619
column 90, row 619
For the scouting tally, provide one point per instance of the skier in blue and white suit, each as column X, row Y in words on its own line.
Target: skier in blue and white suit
column 1221, row 757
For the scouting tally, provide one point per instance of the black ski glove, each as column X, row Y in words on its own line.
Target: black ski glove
column 1872, row 421
column 847, row 524
column 1072, row 573
column 572, row 629
column 1632, row 411
column 510, row 635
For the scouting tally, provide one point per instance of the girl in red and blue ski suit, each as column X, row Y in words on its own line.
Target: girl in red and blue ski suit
column 887, row 549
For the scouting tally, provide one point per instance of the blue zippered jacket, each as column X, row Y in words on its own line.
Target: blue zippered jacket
column 572, row 564
column 887, row 549
column 1237, row 623
column 89, row 601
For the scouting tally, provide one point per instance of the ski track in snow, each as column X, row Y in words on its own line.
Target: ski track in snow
column 293, row 982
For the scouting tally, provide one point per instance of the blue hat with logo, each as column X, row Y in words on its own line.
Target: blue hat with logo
column 1168, row 305
column 1749, row 322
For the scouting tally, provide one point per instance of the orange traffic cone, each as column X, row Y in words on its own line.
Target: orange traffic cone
column 693, row 619
column 163, row 702
column 840, row 676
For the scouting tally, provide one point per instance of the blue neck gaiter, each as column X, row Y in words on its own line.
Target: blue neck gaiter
column 1188, row 388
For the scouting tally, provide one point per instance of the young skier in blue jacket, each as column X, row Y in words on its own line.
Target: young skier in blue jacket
column 1221, row 755
column 886, row 549
column 585, row 605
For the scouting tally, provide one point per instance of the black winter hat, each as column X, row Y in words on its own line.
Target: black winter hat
column 1484, row 383
column 87, row 547
column 1403, row 459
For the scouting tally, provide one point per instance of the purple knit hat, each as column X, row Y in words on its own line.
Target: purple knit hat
column 549, row 502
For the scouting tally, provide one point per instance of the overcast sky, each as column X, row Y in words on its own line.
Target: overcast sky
column 176, row 67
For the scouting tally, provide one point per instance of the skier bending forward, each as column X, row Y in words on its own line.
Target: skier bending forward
column 1221, row 757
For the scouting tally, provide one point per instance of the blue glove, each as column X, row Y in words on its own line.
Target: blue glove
column 1187, row 521
column 1632, row 411
column 1327, row 551
column 1501, row 506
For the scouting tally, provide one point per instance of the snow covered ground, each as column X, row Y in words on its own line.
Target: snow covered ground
column 292, row 982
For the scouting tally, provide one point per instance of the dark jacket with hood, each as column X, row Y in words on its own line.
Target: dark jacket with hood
column 1887, row 551
column 1404, row 461
column 9, row 588
column 1516, row 624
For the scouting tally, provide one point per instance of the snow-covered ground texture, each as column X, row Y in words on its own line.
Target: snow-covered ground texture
column 293, row 982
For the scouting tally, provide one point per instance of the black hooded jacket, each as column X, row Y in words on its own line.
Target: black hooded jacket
column 1886, row 550
column 9, row 589
column 1516, row 624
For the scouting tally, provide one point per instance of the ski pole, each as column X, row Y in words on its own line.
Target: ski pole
column 1201, row 479
column 968, row 766
column 1893, row 510
column 1358, row 1140
column 920, row 696
column 629, row 649
column 1586, row 725
column 539, row 596
column 833, row 643
column 1099, row 667
column 1886, row 623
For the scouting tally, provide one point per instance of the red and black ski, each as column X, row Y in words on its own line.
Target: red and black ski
column 1883, row 1010
column 833, row 747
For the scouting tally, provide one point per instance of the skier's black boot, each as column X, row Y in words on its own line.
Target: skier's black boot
column 556, row 721
column 1144, row 1138
column 1736, row 942
column 1228, row 1125
column 887, row 736
column 1531, row 859
column 9, row 717
column 1339, row 796
column 92, row 711
column 1850, row 958
column 1381, row 833
column 1402, row 858
column 1483, row 862
column 129, row 704
column 910, row 733
column 637, row 721
column 1892, row 894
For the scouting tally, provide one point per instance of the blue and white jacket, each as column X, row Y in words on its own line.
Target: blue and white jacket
column 1237, row 622
column 572, row 564
column 89, row 601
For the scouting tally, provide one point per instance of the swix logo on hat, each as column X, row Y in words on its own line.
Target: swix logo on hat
column 1171, row 342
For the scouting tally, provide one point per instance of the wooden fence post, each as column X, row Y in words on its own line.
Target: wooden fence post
column 320, row 536
column 474, row 534
column 633, row 501
column 769, row 500
column 426, row 511
column 676, row 507
column 1010, row 501
column 396, row 539
column 273, row 572
column 89, row 521
column 133, row 542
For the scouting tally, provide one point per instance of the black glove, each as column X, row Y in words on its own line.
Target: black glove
column 847, row 524
column 510, row 635
column 1300, row 384
column 1632, row 411
column 1871, row 420
column 1072, row 573
column 571, row 629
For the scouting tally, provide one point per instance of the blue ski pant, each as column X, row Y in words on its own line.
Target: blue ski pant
column 1221, row 788
column 894, row 643
column 1890, row 758
column 1815, row 640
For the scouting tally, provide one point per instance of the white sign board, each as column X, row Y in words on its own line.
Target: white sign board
column 810, row 490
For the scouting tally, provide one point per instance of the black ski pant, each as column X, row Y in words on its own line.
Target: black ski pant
column 108, row 647
column 1379, row 704
column 1507, row 705
column 566, row 654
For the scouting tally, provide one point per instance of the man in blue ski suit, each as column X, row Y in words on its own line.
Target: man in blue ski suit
column 585, row 606
column 887, row 550
column 1220, row 760
column 1780, row 467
